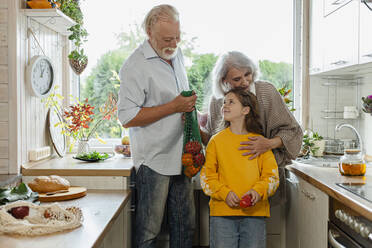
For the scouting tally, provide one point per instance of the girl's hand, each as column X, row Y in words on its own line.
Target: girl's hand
column 232, row 200
column 255, row 197
column 256, row 146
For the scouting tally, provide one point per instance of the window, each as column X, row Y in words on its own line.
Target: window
column 262, row 29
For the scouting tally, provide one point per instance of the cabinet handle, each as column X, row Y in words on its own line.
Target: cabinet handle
column 311, row 196
column 339, row 62
column 367, row 55
column 308, row 195
column 332, row 234
column 132, row 208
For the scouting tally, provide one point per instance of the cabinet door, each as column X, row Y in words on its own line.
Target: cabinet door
column 365, row 34
column 316, row 37
column 341, row 37
column 313, row 218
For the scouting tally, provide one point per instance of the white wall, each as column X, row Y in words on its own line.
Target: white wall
column 366, row 119
column 24, row 126
column 335, row 98
column 4, row 89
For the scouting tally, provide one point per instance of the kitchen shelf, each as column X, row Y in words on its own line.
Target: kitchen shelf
column 52, row 18
column 332, row 111
column 332, row 117
column 340, row 118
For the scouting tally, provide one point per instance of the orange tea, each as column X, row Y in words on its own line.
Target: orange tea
column 352, row 169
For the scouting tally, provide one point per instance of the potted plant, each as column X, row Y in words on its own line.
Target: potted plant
column 367, row 104
column 284, row 92
column 77, row 58
column 313, row 143
column 79, row 122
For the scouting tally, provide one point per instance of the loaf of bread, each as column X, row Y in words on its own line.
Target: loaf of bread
column 44, row 184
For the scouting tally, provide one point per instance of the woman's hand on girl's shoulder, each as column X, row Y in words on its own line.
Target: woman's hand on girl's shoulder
column 255, row 146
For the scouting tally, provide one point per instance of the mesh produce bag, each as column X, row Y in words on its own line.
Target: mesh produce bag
column 29, row 219
column 193, row 157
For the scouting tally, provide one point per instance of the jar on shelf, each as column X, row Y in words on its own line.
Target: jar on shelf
column 352, row 163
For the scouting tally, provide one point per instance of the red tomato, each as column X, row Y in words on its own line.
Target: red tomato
column 246, row 201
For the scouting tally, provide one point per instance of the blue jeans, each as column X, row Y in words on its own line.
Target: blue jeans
column 154, row 191
column 237, row 232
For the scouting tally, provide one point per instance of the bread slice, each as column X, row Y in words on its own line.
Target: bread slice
column 44, row 184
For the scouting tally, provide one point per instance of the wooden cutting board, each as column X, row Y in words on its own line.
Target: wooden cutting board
column 73, row 193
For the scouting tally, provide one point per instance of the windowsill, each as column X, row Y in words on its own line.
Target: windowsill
column 68, row 166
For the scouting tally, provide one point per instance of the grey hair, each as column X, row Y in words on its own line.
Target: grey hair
column 224, row 63
column 160, row 12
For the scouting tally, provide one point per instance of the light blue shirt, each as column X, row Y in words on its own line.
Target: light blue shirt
column 148, row 81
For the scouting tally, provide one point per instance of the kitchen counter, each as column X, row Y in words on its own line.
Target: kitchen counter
column 325, row 179
column 68, row 166
column 100, row 210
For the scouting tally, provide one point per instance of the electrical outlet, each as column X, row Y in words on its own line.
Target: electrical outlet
column 39, row 153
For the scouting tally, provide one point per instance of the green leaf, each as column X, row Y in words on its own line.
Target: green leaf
column 21, row 189
column 21, row 192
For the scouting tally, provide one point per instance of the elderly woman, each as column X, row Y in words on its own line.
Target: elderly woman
column 282, row 133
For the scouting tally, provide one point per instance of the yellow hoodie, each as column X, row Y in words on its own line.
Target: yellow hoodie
column 226, row 169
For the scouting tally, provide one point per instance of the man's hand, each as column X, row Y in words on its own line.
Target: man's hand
column 232, row 200
column 256, row 146
column 255, row 197
column 184, row 104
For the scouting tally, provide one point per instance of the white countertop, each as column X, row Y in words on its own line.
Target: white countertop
column 100, row 209
column 326, row 178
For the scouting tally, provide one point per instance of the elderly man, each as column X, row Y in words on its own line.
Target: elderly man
column 151, row 106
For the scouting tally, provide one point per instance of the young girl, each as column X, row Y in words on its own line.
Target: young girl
column 227, row 177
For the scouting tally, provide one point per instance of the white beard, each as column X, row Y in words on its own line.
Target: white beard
column 162, row 53
column 168, row 56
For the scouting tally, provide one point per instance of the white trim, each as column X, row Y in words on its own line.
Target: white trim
column 96, row 145
column 14, row 88
column 300, row 62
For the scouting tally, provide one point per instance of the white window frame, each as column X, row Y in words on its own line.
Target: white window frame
column 300, row 21
column 298, row 62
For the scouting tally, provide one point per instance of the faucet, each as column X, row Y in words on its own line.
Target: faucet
column 341, row 125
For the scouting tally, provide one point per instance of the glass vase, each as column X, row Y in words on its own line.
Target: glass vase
column 83, row 146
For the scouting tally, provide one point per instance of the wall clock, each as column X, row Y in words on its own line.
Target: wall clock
column 40, row 75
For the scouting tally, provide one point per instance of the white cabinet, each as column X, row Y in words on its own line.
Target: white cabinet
column 316, row 37
column 365, row 37
column 313, row 218
column 52, row 18
column 306, row 216
column 341, row 36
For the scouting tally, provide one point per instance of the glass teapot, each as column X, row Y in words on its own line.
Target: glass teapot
column 352, row 163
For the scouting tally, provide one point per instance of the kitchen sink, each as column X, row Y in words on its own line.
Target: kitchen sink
column 327, row 161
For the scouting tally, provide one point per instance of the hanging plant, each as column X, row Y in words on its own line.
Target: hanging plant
column 77, row 58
